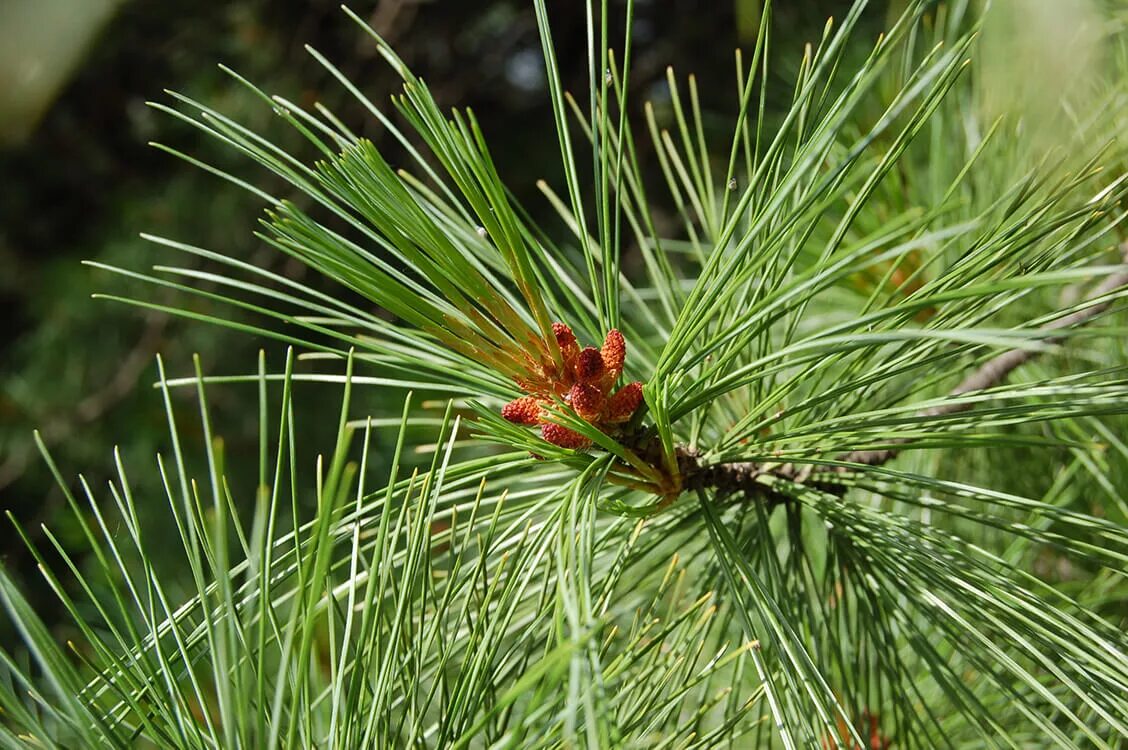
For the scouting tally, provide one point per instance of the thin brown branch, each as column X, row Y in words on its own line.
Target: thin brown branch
column 743, row 476
column 995, row 370
column 92, row 407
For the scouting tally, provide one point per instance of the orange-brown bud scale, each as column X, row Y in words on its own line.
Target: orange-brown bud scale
column 549, row 371
column 877, row 740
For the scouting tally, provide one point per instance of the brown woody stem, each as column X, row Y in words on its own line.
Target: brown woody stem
column 745, row 477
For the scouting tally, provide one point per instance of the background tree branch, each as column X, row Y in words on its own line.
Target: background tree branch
column 742, row 476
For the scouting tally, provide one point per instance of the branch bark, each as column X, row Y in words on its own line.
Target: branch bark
column 744, row 476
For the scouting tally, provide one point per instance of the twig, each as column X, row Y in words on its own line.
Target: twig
column 743, row 476
column 995, row 370
column 94, row 405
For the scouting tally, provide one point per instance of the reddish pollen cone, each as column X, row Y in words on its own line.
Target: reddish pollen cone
column 564, row 335
column 589, row 365
column 624, row 403
column 524, row 410
column 614, row 352
column 587, row 400
column 562, row 436
column 565, row 340
column 585, row 382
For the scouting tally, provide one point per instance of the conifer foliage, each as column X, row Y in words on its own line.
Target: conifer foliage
column 846, row 471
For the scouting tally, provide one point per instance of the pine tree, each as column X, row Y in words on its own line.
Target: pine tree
column 837, row 463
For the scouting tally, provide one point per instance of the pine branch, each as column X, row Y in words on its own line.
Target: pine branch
column 742, row 477
column 995, row 370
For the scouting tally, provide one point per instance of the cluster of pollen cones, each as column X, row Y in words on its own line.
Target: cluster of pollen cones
column 585, row 383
